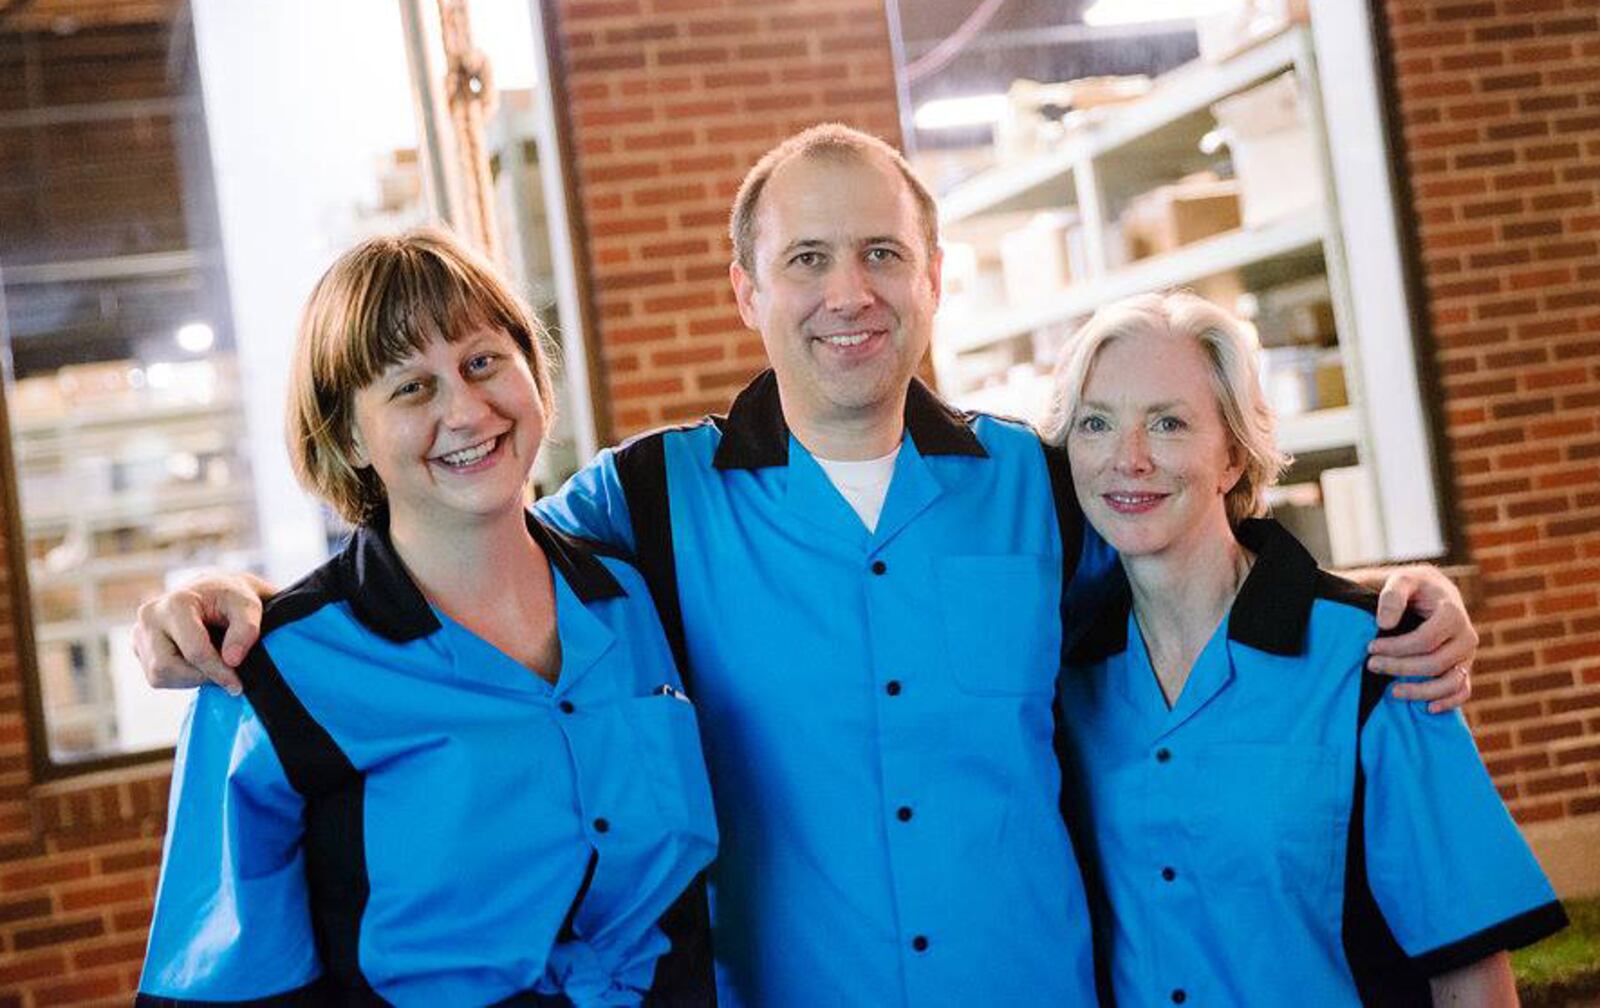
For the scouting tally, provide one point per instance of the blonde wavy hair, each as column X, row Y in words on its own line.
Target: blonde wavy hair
column 1235, row 382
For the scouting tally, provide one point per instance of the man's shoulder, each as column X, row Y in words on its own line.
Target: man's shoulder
column 707, row 429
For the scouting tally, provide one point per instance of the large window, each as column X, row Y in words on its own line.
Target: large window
column 1087, row 151
column 171, row 184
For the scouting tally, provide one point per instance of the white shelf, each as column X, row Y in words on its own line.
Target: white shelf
column 966, row 331
column 1041, row 181
column 135, row 507
column 1319, row 430
column 131, row 417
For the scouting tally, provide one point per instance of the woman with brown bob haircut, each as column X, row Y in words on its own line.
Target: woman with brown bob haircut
column 463, row 770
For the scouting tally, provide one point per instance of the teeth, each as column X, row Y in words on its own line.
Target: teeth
column 846, row 340
column 467, row 456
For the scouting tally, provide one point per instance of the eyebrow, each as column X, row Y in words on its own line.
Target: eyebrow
column 814, row 244
column 1159, row 407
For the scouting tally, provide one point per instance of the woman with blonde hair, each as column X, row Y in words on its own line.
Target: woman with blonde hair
column 1259, row 825
column 463, row 770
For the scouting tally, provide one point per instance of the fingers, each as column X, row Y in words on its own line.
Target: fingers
column 186, row 626
column 1444, row 693
column 241, row 616
column 1394, row 598
column 174, row 646
column 164, row 667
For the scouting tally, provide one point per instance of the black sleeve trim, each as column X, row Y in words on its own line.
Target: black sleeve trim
column 1513, row 933
column 316, row 994
column 312, row 760
column 685, row 977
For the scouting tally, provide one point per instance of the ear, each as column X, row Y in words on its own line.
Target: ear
column 936, row 273
column 744, row 294
column 1235, row 468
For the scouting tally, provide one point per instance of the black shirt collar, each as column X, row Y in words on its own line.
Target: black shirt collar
column 1271, row 612
column 755, row 435
column 388, row 602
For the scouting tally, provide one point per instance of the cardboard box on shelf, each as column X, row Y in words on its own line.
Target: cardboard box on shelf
column 1176, row 215
column 1274, row 154
column 1301, row 379
column 1038, row 114
column 101, row 385
column 1043, row 256
column 36, row 399
column 1245, row 23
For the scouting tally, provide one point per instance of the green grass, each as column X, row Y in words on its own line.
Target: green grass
column 1565, row 966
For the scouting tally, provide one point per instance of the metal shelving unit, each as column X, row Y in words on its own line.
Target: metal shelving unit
column 1117, row 153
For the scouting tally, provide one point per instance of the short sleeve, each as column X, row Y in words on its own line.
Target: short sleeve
column 592, row 504
column 1448, row 868
column 232, row 918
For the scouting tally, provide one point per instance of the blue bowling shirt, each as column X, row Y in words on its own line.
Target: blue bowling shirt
column 396, row 811
column 1281, row 835
column 877, row 706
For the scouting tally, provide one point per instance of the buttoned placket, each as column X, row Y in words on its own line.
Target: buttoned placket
column 1170, row 780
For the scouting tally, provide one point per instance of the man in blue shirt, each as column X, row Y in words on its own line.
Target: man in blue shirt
column 864, row 590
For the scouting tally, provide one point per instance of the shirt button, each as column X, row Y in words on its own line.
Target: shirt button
column 892, row 687
column 1168, row 874
column 878, row 566
column 1179, row 997
column 566, row 707
column 1163, row 754
column 602, row 825
column 920, row 943
column 903, row 813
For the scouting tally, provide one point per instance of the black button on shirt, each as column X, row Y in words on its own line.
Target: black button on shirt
column 920, row 943
column 1162, row 755
column 892, row 687
column 878, row 566
column 1168, row 874
column 904, row 813
column 1179, row 997
column 566, row 707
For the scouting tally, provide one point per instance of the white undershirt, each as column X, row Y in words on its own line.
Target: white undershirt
column 862, row 484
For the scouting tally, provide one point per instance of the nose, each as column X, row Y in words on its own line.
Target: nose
column 1133, row 452
column 464, row 403
column 847, row 290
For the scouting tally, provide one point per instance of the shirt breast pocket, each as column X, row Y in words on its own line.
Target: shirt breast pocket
column 1275, row 817
column 673, row 762
column 1002, row 622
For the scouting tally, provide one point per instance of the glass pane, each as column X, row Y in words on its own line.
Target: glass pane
column 146, row 422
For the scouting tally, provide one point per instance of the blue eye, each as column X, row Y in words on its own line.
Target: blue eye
column 406, row 389
column 883, row 254
column 1093, row 424
column 1169, row 425
column 482, row 362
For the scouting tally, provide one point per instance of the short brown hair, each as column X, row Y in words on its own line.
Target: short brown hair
column 825, row 139
column 378, row 304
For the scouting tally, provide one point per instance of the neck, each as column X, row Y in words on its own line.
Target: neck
column 849, row 437
column 455, row 562
column 1181, row 595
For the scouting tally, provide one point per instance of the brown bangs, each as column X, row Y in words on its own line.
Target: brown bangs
column 409, row 296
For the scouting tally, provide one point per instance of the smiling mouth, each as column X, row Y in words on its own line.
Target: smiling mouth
column 847, row 340
column 467, row 456
column 1127, row 502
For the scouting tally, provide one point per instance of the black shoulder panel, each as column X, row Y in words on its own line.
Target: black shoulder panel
column 642, row 469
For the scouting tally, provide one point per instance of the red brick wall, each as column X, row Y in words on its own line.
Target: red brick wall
column 671, row 101
column 1500, row 101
